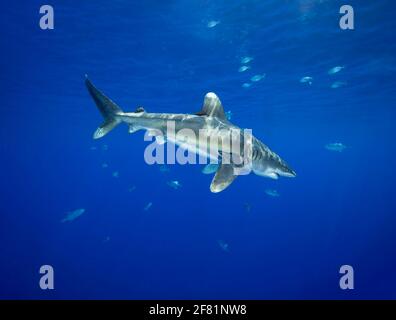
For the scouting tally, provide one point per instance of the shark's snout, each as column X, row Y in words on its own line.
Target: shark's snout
column 286, row 172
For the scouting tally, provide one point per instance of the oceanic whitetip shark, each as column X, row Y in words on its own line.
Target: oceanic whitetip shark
column 211, row 120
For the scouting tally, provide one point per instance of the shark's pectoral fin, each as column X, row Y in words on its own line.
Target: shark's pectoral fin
column 223, row 178
column 212, row 107
column 272, row 175
column 105, row 128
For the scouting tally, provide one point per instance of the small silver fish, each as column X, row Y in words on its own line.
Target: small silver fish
column 338, row 84
column 335, row 146
column 306, row 80
column 213, row 23
column 272, row 193
column 148, row 206
column 257, row 77
column 174, row 184
column 335, row 69
column 223, row 245
column 246, row 59
column 72, row 215
column 243, row 68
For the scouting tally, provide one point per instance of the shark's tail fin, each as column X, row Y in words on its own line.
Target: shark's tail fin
column 107, row 108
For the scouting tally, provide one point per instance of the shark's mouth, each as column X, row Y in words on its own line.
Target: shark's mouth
column 288, row 174
column 275, row 173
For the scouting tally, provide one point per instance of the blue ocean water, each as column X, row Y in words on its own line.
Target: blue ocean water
column 165, row 56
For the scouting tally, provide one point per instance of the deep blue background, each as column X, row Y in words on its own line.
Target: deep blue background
column 160, row 54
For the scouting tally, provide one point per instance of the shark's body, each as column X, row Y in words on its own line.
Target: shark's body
column 211, row 120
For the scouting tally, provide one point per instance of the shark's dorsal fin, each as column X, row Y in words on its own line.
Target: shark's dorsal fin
column 139, row 109
column 212, row 107
column 223, row 178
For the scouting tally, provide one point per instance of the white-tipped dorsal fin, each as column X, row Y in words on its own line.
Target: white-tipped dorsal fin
column 212, row 107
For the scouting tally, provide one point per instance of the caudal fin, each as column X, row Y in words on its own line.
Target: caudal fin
column 107, row 108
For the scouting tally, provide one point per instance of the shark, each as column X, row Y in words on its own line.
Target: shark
column 212, row 119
